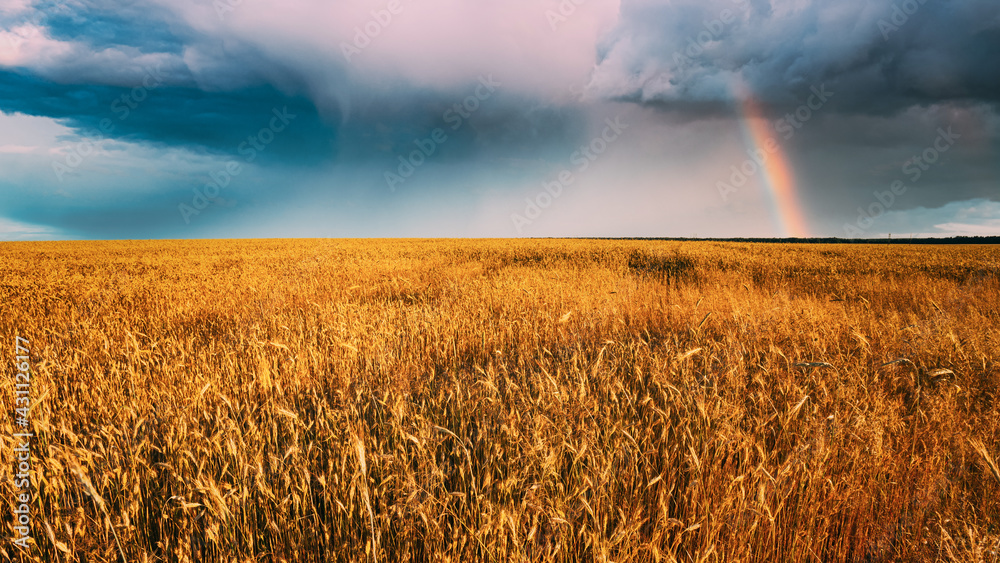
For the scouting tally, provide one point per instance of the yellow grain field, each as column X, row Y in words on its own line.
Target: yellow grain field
column 328, row 400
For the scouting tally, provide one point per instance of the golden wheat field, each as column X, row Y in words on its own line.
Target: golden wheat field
column 337, row 400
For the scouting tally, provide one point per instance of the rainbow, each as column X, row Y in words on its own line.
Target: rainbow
column 779, row 179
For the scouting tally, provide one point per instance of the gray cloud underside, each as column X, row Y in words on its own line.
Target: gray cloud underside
column 944, row 52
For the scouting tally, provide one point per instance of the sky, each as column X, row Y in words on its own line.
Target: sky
column 176, row 119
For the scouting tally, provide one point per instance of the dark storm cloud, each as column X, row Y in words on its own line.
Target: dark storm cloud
column 687, row 58
column 218, row 122
column 101, row 24
column 876, row 56
column 220, row 92
column 503, row 125
column 380, row 125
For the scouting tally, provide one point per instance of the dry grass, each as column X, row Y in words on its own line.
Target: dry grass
column 507, row 401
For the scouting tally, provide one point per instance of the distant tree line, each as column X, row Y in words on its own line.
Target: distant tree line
column 826, row 240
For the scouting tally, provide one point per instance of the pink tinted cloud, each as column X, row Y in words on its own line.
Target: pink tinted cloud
column 428, row 43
